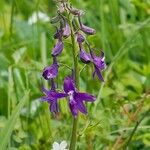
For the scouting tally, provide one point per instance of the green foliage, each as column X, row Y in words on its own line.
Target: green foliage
column 123, row 29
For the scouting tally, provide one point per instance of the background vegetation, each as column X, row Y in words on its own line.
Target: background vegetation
column 123, row 32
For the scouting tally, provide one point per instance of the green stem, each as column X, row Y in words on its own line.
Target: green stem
column 135, row 128
column 76, row 77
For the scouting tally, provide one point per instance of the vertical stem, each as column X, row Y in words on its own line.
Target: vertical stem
column 10, row 90
column 12, row 15
column 76, row 77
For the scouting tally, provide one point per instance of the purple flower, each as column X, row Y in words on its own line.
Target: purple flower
column 98, row 73
column 66, row 31
column 76, row 99
column 87, row 30
column 51, row 96
column 85, row 57
column 58, row 34
column 99, row 64
column 99, row 61
column 58, row 48
column 51, row 72
column 80, row 38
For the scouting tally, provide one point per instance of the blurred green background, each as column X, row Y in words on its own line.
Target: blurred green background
column 123, row 32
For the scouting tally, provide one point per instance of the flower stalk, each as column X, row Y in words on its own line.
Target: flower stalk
column 69, row 25
column 76, row 78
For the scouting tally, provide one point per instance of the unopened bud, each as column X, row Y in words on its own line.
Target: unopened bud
column 87, row 30
column 66, row 31
column 80, row 38
column 58, row 48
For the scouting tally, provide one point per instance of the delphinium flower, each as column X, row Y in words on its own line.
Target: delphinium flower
column 85, row 58
column 99, row 64
column 51, row 72
column 76, row 98
column 52, row 96
column 69, row 25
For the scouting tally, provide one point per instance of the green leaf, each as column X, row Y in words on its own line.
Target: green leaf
column 6, row 133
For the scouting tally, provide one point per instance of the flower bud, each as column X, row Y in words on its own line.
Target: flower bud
column 66, row 31
column 85, row 57
column 58, row 48
column 80, row 38
column 58, row 34
column 87, row 30
column 50, row 72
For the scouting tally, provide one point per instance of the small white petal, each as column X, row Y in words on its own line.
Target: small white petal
column 63, row 145
column 56, row 146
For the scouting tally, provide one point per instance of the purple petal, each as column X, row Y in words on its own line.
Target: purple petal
column 73, row 109
column 56, row 95
column 50, row 72
column 81, row 107
column 54, row 107
column 85, row 97
column 85, row 58
column 45, row 91
column 66, row 31
column 58, row 34
column 69, row 85
column 87, row 30
column 52, row 94
column 99, row 61
column 58, row 48
column 45, row 99
column 99, row 74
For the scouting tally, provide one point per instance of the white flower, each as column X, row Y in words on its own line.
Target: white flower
column 61, row 146
column 38, row 16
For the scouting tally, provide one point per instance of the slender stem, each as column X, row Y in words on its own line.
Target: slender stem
column 135, row 128
column 12, row 16
column 76, row 78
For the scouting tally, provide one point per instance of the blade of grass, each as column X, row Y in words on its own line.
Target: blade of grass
column 44, row 62
column 135, row 128
column 145, row 127
column 10, row 91
column 105, row 44
column 6, row 133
